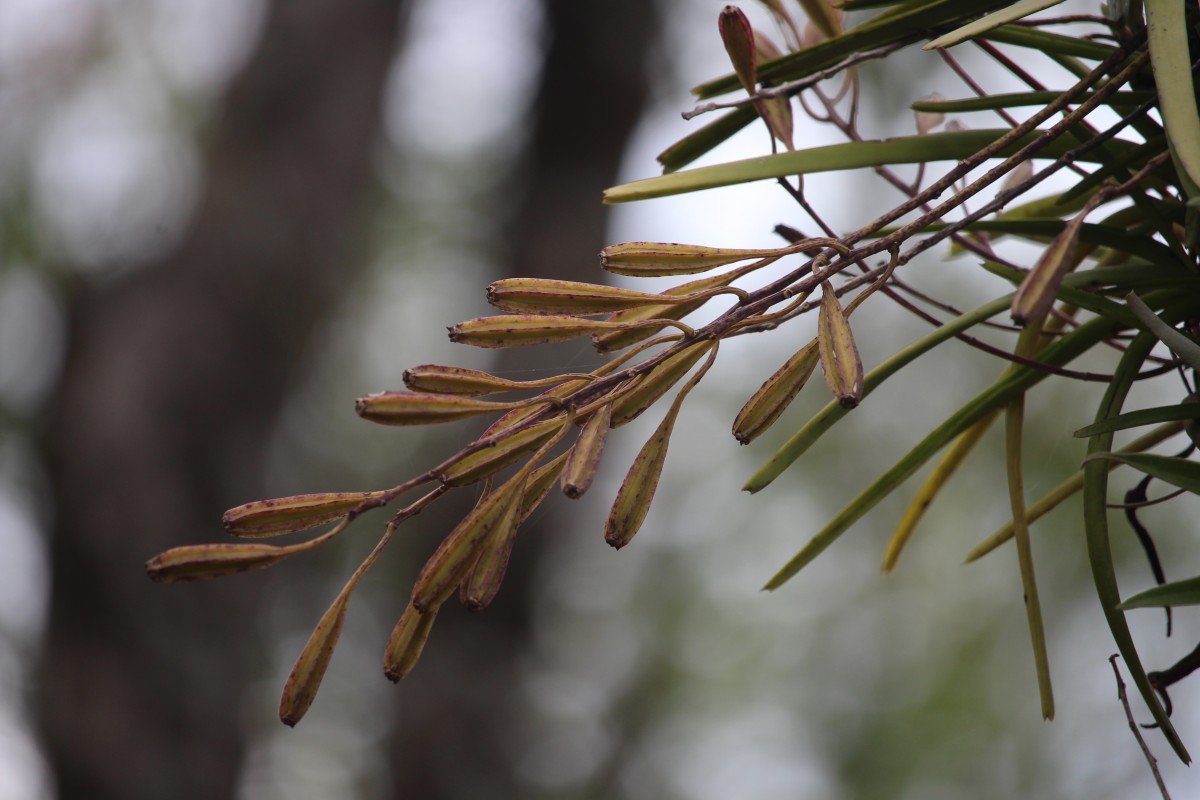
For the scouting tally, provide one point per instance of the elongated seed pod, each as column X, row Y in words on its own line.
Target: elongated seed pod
column 491, row 460
column 290, row 514
column 483, row 580
column 412, row 408
column 660, row 259
column 438, row 379
column 523, row 330
column 543, row 296
column 776, row 393
column 1037, row 291
column 203, row 561
column 306, row 676
column 658, row 382
column 407, row 641
column 583, row 459
column 838, row 354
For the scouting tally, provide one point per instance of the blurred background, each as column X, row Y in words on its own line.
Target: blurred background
column 221, row 222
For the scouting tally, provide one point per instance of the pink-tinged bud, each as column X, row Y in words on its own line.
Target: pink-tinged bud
column 838, row 354
column 1037, row 292
column 412, row 408
column 738, row 37
column 291, row 514
column 928, row 120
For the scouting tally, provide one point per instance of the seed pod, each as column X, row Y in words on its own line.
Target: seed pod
column 290, row 514
column 838, row 354
column 305, row 679
column 406, row 642
column 203, row 561
column 491, row 460
column 738, row 38
column 583, row 459
column 449, row 564
column 437, row 379
column 412, row 408
column 776, row 393
column 483, row 581
column 1036, row 294
column 637, row 490
column 523, row 330
column 543, row 296
column 541, row 481
column 630, row 405
column 660, row 259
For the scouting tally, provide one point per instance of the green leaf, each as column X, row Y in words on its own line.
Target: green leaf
column 1146, row 416
column 996, row 396
column 1167, row 31
column 1050, row 43
column 699, row 142
column 951, row 146
column 1181, row 472
column 1181, row 345
column 1177, row 593
column 1014, row 12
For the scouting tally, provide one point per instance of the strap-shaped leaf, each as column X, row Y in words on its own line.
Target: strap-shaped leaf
column 1167, row 31
column 994, row 20
column 1177, row 593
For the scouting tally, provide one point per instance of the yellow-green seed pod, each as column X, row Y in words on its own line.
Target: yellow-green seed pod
column 583, row 459
column 523, row 330
column 448, row 565
column 660, row 259
column 656, row 383
column 305, row 679
column 543, row 296
column 491, row 460
column 438, row 379
column 483, row 580
column 406, row 642
column 413, row 408
column 290, row 514
column 541, row 481
column 777, row 392
column 838, row 354
column 203, row 561
column 1036, row 294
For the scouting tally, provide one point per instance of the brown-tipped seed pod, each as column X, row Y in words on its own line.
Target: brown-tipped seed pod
column 524, row 330
column 203, row 561
column 305, row 679
column 543, row 296
column 660, row 259
column 583, row 459
column 652, row 386
column 1036, row 294
column 738, row 38
column 777, row 392
column 483, row 580
column 637, row 490
column 491, row 460
column 541, row 481
column 406, row 642
column 290, row 514
column 448, row 565
column 437, row 379
column 838, row 354
column 412, row 408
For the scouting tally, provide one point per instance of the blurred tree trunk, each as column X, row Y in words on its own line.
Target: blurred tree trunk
column 461, row 706
column 171, row 385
